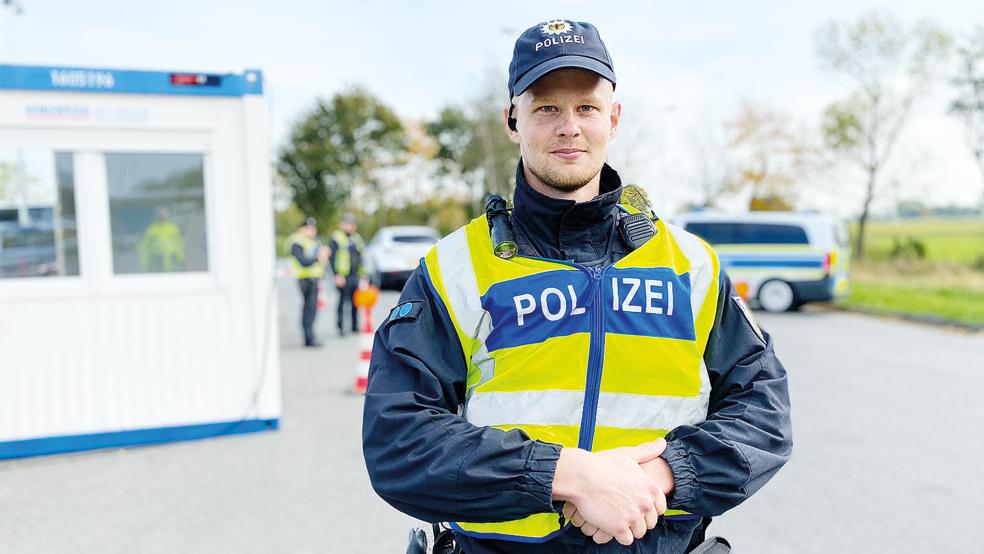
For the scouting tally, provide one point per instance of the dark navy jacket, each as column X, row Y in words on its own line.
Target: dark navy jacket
column 428, row 462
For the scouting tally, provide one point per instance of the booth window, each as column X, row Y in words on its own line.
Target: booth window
column 157, row 212
column 37, row 214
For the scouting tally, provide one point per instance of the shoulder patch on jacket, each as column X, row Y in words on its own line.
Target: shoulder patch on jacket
column 748, row 315
column 405, row 310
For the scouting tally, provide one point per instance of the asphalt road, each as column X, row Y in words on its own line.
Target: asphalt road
column 888, row 452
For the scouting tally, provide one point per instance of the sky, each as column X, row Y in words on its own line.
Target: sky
column 679, row 67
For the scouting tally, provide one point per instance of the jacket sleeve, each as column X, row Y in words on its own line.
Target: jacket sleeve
column 747, row 435
column 298, row 253
column 332, row 250
column 422, row 457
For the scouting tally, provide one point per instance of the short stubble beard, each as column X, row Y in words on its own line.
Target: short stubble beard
column 565, row 184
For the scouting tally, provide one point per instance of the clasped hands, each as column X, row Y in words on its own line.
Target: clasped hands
column 618, row 493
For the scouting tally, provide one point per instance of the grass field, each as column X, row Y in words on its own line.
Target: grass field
column 948, row 284
column 946, row 292
column 957, row 241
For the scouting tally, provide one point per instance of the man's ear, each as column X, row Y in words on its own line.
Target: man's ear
column 510, row 122
column 616, row 115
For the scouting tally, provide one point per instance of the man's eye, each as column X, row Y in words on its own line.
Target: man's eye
column 548, row 109
column 587, row 108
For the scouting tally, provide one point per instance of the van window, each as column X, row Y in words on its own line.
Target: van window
column 415, row 239
column 748, row 233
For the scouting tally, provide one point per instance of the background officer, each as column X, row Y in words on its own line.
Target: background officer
column 509, row 427
column 346, row 263
column 308, row 257
column 162, row 247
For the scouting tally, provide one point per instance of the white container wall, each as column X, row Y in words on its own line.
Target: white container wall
column 136, row 259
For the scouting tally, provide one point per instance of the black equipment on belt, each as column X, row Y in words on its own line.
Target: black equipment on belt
column 439, row 539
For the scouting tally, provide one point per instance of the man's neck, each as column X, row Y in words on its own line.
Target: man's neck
column 583, row 194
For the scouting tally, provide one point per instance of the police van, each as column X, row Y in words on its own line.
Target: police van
column 778, row 260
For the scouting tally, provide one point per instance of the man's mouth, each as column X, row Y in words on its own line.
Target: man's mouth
column 568, row 153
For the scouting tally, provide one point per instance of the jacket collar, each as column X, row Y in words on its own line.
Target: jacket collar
column 565, row 229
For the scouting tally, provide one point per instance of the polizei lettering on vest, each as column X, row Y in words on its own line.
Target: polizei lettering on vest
column 526, row 304
column 553, row 41
column 629, row 294
column 650, row 295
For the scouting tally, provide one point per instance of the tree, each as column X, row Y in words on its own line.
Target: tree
column 336, row 148
column 969, row 104
column 768, row 156
column 713, row 173
column 473, row 144
column 459, row 153
column 892, row 67
column 15, row 182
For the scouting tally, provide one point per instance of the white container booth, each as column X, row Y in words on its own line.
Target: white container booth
column 136, row 259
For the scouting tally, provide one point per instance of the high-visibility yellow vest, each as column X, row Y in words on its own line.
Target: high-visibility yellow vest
column 595, row 358
column 343, row 259
column 162, row 248
column 310, row 247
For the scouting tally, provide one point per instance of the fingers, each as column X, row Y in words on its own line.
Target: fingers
column 624, row 537
column 577, row 520
column 652, row 517
column 601, row 537
column 568, row 510
column 648, row 451
column 589, row 529
column 660, row 503
column 639, row 528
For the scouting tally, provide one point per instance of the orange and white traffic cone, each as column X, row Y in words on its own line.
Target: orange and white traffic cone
column 365, row 352
column 364, row 298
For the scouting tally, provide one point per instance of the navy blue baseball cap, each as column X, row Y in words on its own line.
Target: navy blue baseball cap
column 557, row 44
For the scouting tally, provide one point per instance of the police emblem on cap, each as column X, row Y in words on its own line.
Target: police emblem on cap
column 555, row 27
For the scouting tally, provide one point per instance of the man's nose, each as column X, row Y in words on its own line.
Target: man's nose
column 569, row 126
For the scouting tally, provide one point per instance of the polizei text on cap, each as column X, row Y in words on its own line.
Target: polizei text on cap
column 553, row 41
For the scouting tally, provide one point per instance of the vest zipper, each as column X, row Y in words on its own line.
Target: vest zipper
column 596, row 349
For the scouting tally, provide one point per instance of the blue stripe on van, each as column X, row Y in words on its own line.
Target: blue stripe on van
column 729, row 262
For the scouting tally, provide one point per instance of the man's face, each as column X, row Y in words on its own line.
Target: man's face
column 564, row 123
column 347, row 227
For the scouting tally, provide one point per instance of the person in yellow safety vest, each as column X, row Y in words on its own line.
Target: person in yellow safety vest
column 346, row 264
column 603, row 384
column 308, row 257
column 162, row 247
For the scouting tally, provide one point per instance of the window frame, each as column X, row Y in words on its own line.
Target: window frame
column 93, row 232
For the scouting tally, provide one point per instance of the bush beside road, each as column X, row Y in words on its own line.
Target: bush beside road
column 930, row 268
column 946, row 240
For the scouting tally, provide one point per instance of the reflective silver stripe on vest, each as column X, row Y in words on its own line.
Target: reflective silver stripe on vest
column 701, row 280
column 561, row 407
column 700, row 266
column 461, row 287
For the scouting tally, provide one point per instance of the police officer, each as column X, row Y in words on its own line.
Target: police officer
column 308, row 257
column 162, row 247
column 597, row 392
column 347, row 247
